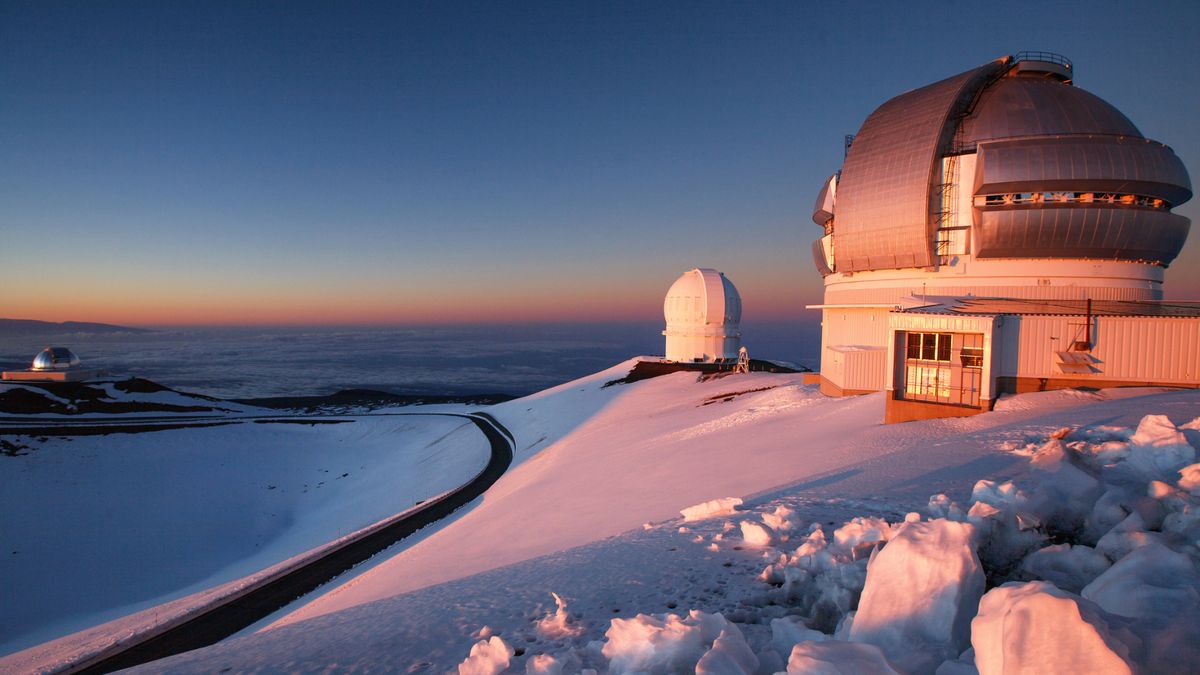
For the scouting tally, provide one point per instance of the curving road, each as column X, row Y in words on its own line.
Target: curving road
column 229, row 617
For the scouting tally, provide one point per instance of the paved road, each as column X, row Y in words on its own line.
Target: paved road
column 228, row 618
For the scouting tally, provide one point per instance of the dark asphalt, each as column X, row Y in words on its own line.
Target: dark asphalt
column 227, row 619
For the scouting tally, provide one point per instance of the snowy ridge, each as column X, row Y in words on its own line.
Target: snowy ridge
column 835, row 505
column 130, row 398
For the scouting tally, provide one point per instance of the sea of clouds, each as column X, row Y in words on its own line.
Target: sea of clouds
column 254, row 362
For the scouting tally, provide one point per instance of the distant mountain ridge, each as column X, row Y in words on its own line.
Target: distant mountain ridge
column 23, row 326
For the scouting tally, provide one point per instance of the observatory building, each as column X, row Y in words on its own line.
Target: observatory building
column 999, row 231
column 52, row 364
column 702, row 310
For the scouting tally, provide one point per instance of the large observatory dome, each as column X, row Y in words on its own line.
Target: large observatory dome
column 55, row 358
column 702, row 309
column 994, row 172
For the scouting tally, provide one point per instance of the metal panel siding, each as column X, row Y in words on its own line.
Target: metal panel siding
column 714, row 298
column 1024, row 106
column 1082, row 232
column 866, row 369
column 1136, row 349
column 818, row 254
column 853, row 328
column 1079, row 164
column 883, row 208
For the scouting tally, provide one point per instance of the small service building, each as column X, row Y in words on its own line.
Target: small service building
column 1001, row 230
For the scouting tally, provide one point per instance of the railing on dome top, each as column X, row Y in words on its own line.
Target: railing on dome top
column 959, row 146
column 1048, row 57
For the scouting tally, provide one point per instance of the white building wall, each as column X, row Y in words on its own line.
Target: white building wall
column 706, row 348
column 853, row 341
column 1134, row 349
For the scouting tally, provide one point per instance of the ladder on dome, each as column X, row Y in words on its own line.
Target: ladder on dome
column 947, row 209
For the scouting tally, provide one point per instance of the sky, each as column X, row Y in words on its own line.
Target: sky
column 390, row 163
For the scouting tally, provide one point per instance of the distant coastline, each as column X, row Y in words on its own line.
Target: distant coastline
column 50, row 328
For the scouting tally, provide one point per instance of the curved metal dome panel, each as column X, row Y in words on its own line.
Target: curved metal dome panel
column 1026, row 106
column 823, row 209
column 1083, row 163
column 55, row 358
column 702, row 296
column 1074, row 232
column 818, row 254
column 883, row 200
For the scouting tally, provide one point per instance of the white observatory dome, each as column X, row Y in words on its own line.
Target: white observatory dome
column 55, row 358
column 702, row 310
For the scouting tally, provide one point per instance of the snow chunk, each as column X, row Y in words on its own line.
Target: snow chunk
column 1128, row 535
column 941, row 506
column 730, row 655
column 921, row 592
column 861, row 534
column 1067, row 567
column 1158, row 449
column 833, row 657
column 756, row 534
column 1037, row 628
column 782, row 519
column 711, row 509
column 1161, row 589
column 789, row 631
column 488, row 657
column 661, row 643
column 1150, row 580
column 963, row 665
column 1063, row 495
column 1190, row 479
column 544, row 664
column 557, row 624
column 1003, row 496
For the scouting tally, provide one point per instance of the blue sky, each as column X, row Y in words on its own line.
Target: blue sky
column 229, row 162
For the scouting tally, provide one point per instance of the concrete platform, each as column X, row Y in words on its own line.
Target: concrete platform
column 77, row 375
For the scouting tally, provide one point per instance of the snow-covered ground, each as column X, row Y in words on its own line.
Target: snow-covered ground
column 99, row 527
column 857, row 547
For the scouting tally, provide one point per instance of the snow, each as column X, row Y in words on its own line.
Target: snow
column 712, row 508
column 756, row 535
column 662, row 643
column 834, row 657
column 557, row 624
column 1190, row 478
column 110, row 394
column 1036, row 628
column 589, row 516
column 921, row 592
column 1067, row 567
column 1160, row 588
column 1158, row 449
column 487, row 657
column 730, row 655
column 196, row 508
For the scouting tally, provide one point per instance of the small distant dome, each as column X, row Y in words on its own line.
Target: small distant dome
column 702, row 310
column 55, row 358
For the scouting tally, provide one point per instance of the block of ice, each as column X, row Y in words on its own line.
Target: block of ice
column 834, row 657
column 921, row 592
column 1036, row 627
